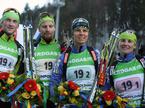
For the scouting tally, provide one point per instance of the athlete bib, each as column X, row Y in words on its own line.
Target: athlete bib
column 82, row 75
column 81, row 69
column 45, row 57
column 128, row 81
column 8, row 55
column 44, row 69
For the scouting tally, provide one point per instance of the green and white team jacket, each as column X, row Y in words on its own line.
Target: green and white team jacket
column 81, row 70
column 8, row 54
column 128, row 81
column 45, row 57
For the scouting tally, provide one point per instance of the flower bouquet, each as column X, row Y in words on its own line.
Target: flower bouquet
column 109, row 98
column 30, row 93
column 7, row 84
column 68, row 93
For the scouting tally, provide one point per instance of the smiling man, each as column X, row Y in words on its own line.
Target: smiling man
column 11, row 52
column 47, row 49
column 46, row 52
column 78, row 64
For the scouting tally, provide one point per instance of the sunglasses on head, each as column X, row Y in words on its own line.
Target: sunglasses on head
column 11, row 9
column 130, row 31
column 44, row 14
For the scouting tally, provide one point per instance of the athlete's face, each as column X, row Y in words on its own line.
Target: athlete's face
column 80, row 35
column 126, row 46
column 10, row 26
column 47, row 30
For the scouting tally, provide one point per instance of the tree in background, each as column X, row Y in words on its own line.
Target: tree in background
column 103, row 17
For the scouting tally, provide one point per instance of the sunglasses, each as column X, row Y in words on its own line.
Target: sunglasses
column 11, row 9
column 130, row 31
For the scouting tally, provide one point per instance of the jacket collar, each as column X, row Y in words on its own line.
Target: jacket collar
column 126, row 58
column 81, row 49
column 7, row 38
column 44, row 42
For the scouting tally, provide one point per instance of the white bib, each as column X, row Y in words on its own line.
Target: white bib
column 82, row 75
column 7, row 62
column 44, row 69
column 129, row 86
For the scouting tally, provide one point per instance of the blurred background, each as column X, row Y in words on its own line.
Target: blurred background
column 103, row 15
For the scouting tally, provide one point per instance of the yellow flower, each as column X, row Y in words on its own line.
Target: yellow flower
column 26, row 95
column 76, row 93
column 61, row 89
column 108, row 102
column 102, row 92
column 120, row 101
column 73, row 100
column 65, row 93
column 33, row 93
column 10, row 81
column 97, row 97
column 32, row 97
column 66, row 82
column 39, row 87
column 125, row 100
column 11, row 75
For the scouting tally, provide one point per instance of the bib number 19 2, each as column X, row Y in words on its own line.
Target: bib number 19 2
column 81, row 74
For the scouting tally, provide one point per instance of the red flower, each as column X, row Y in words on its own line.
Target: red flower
column 72, row 85
column 108, row 95
column 4, row 75
column 30, row 85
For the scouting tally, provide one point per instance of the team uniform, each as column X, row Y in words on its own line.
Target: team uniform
column 80, row 69
column 10, row 54
column 45, row 57
column 11, row 58
column 127, row 77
